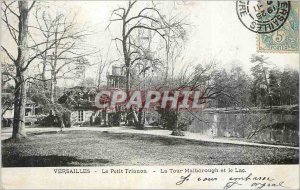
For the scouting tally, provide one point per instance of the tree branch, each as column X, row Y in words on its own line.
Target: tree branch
column 31, row 6
column 8, row 54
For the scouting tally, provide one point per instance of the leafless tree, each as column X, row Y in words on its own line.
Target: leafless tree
column 174, row 41
column 7, row 72
column 7, row 75
column 66, row 56
column 135, row 22
column 204, row 78
column 68, row 50
column 15, row 18
column 148, row 18
column 103, row 63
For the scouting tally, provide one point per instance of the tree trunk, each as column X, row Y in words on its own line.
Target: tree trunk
column 61, row 121
column 44, row 66
column 53, row 97
column 127, row 61
column 141, row 119
column 176, row 130
column 20, row 87
column 104, row 115
column 19, row 110
column 127, row 80
column 167, row 56
column 52, row 88
column 267, row 85
column 135, row 117
column 44, row 77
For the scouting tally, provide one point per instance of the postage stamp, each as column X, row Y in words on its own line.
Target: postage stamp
column 285, row 39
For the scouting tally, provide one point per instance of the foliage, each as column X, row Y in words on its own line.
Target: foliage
column 169, row 119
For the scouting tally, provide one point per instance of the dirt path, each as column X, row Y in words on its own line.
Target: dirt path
column 6, row 133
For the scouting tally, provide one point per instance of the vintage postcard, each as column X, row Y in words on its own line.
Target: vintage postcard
column 149, row 94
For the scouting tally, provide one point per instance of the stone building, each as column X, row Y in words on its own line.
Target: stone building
column 117, row 78
column 81, row 100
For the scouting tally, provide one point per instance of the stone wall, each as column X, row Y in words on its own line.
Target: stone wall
column 272, row 127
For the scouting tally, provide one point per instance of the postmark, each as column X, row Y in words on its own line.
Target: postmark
column 263, row 16
column 285, row 39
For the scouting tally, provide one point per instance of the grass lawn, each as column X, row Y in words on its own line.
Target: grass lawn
column 90, row 148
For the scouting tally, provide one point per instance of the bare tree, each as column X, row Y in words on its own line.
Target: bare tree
column 7, row 72
column 19, row 10
column 68, row 47
column 7, row 76
column 204, row 78
column 103, row 63
column 148, row 18
column 174, row 41
column 16, row 16
column 66, row 56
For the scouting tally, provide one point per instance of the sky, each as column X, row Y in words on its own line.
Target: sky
column 215, row 32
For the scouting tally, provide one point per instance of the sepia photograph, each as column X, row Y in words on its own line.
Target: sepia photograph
column 149, row 83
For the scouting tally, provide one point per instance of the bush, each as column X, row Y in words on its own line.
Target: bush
column 50, row 120
column 98, row 120
column 169, row 119
column 184, row 121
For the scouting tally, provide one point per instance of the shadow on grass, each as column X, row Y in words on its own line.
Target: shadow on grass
column 46, row 133
column 40, row 151
column 168, row 141
column 47, row 161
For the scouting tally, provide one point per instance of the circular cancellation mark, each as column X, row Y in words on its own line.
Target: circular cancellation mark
column 263, row 16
